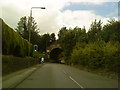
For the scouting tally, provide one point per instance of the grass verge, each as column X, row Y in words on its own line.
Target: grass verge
column 101, row 72
column 12, row 64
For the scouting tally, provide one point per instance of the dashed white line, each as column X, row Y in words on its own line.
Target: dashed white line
column 64, row 72
column 75, row 82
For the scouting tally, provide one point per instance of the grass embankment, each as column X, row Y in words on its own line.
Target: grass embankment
column 12, row 64
column 101, row 72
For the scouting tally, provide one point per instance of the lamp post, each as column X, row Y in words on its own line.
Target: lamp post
column 29, row 26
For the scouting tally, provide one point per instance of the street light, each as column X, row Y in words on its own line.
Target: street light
column 31, row 24
column 35, row 8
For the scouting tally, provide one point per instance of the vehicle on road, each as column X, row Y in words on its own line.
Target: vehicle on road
column 62, row 62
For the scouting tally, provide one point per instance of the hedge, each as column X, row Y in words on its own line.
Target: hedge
column 13, row 43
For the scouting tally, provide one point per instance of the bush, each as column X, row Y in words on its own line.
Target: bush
column 98, row 55
column 111, row 56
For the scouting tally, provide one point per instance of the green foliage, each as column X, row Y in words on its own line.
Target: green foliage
column 13, row 43
column 70, row 37
column 111, row 56
column 25, row 25
column 28, row 26
column 45, row 41
column 52, row 38
column 38, row 55
column 95, row 29
column 111, row 31
column 22, row 27
column 97, row 55
column 99, row 48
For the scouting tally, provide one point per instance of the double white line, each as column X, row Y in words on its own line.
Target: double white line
column 74, row 80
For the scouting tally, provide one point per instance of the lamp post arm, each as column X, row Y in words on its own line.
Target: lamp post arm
column 38, row 8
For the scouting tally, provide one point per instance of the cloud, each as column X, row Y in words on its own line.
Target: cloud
column 12, row 14
column 51, row 19
column 49, row 22
column 94, row 2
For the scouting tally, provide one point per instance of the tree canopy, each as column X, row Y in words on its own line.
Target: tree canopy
column 99, row 48
column 28, row 26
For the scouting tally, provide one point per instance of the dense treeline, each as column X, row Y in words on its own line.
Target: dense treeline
column 99, row 48
column 13, row 43
column 45, row 41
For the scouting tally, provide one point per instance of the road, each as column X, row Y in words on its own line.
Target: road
column 62, row 76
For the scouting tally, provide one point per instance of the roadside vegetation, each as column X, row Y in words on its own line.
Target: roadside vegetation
column 15, row 51
column 43, row 41
column 12, row 64
column 99, row 48
column 13, row 43
column 16, row 54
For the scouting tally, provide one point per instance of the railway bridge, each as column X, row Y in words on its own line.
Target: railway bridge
column 54, row 52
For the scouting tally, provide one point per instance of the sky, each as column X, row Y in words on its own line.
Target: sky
column 59, row 13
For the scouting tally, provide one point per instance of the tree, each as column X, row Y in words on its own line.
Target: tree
column 80, row 34
column 44, row 42
column 24, row 25
column 111, row 31
column 52, row 38
column 94, row 31
column 68, row 39
column 62, row 31
column 32, row 25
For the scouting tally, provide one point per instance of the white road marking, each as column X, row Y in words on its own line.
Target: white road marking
column 75, row 82
column 64, row 72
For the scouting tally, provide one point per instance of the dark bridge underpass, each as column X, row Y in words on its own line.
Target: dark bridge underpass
column 54, row 54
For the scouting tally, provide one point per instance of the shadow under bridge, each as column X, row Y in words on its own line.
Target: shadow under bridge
column 54, row 53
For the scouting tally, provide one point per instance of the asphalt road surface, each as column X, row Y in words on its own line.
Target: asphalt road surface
column 62, row 76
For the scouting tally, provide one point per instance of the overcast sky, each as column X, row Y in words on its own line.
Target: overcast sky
column 59, row 13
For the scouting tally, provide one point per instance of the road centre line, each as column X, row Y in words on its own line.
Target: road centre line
column 64, row 72
column 75, row 82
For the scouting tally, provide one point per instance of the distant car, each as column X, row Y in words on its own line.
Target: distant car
column 62, row 62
